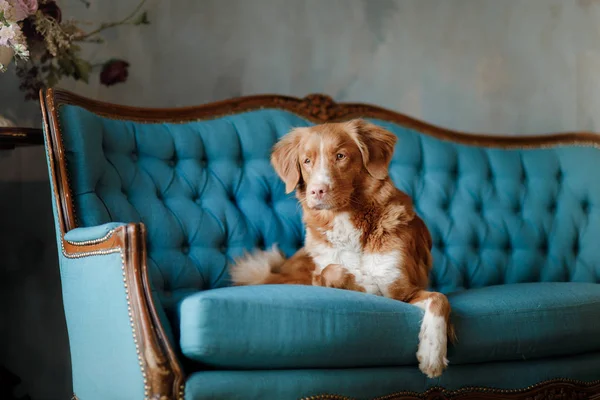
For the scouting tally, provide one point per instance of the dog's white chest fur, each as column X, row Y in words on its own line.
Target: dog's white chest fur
column 374, row 271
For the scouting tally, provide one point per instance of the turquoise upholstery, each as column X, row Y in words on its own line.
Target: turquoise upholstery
column 367, row 383
column 102, row 347
column 514, row 235
column 96, row 312
column 204, row 197
column 206, row 192
column 314, row 327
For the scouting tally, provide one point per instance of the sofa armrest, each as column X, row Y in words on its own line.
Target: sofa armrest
column 92, row 233
column 119, row 349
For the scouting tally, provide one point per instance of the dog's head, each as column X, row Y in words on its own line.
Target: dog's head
column 326, row 163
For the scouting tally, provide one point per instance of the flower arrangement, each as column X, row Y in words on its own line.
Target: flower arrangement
column 47, row 48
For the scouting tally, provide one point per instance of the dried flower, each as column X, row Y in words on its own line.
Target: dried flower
column 51, row 9
column 54, row 36
column 36, row 27
column 113, row 72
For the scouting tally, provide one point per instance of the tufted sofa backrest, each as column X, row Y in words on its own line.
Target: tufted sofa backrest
column 206, row 192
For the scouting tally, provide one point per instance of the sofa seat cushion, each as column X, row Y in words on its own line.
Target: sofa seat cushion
column 288, row 326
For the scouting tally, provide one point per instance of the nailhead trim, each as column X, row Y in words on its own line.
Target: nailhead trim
column 133, row 332
column 93, row 241
column 89, row 253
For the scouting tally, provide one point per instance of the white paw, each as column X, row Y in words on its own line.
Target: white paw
column 433, row 346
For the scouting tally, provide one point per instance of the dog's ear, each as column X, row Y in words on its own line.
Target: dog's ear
column 376, row 146
column 285, row 158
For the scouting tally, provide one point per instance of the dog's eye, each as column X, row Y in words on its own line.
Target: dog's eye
column 340, row 156
column 307, row 161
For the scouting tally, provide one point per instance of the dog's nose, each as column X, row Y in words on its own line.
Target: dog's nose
column 318, row 191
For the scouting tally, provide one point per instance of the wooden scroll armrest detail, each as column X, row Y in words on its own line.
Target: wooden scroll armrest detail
column 162, row 373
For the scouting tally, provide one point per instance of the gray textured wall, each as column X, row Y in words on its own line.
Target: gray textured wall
column 521, row 66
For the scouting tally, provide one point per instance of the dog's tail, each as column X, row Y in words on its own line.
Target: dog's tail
column 258, row 268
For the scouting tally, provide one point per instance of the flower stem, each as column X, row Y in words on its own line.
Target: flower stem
column 103, row 27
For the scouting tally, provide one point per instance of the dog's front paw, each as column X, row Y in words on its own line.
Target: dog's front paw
column 430, row 363
column 433, row 343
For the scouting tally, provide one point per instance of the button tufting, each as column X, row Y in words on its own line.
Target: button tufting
column 203, row 163
column 517, row 208
column 454, row 172
column 223, row 248
column 134, row 156
column 158, row 195
column 479, row 206
column 585, row 206
column 445, row 205
column 172, row 162
column 576, row 247
column 559, row 175
column 419, row 168
column 185, row 248
column 552, row 206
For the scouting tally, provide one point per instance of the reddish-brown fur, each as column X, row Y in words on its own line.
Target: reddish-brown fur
column 357, row 155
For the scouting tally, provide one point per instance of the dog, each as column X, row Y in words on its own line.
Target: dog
column 362, row 233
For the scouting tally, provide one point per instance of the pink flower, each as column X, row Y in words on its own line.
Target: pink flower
column 23, row 9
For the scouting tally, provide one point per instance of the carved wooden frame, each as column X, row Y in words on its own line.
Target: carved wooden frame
column 163, row 374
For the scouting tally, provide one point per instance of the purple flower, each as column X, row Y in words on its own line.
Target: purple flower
column 113, row 72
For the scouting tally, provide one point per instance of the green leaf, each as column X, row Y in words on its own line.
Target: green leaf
column 52, row 79
column 82, row 70
column 142, row 19
column 66, row 65
column 3, row 19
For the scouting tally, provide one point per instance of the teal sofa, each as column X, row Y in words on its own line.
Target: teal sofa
column 152, row 205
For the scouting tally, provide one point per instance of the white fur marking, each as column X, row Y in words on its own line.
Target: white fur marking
column 383, row 269
column 433, row 344
column 373, row 271
column 321, row 175
column 345, row 246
